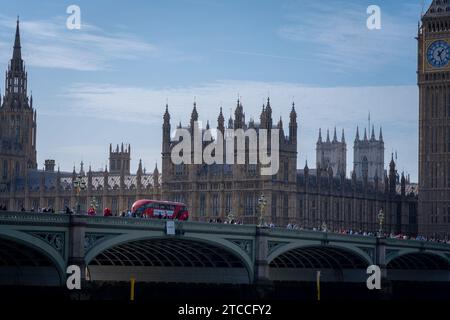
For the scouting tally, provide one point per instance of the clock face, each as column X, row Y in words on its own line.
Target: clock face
column 438, row 54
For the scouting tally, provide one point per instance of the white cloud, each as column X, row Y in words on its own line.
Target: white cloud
column 336, row 35
column 50, row 44
column 395, row 108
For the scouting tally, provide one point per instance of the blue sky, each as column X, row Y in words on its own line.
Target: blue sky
column 109, row 81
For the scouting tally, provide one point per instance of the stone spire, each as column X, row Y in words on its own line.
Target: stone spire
column 365, row 134
column 357, row 134
column 194, row 115
column 320, row 136
column 343, row 136
column 372, row 137
column 293, row 125
column 167, row 115
column 335, row 136
column 221, row 122
column 239, row 115
column 269, row 114
column 381, row 135
column 328, row 136
column 17, row 52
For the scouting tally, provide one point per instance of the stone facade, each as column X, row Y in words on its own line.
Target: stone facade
column 434, row 121
column 308, row 197
column 332, row 154
column 368, row 156
column 17, row 121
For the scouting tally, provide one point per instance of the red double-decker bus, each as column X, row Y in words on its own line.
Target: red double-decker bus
column 160, row 209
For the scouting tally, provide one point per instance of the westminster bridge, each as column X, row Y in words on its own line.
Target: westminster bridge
column 36, row 249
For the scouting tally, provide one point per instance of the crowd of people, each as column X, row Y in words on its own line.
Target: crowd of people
column 290, row 226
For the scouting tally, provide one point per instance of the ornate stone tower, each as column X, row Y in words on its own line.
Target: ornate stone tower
column 119, row 160
column 332, row 154
column 368, row 156
column 17, row 121
column 434, row 120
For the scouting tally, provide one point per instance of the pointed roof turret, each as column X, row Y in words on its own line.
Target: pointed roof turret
column 139, row 171
column 372, row 137
column 280, row 124
column 221, row 121
column 293, row 114
column 194, row 114
column 343, row 136
column 357, row 134
column 365, row 134
column 230, row 123
column 328, row 135
column 335, row 135
column 381, row 135
column 167, row 114
column 320, row 136
column 17, row 52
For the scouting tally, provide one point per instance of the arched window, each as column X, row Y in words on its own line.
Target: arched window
column 5, row 169
column 365, row 167
column 17, row 169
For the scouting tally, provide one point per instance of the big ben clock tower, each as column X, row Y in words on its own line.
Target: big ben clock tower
column 434, row 120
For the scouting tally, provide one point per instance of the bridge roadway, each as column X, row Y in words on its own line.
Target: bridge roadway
column 35, row 249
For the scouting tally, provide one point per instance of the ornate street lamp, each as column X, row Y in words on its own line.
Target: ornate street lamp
column 230, row 217
column 79, row 185
column 380, row 218
column 262, row 202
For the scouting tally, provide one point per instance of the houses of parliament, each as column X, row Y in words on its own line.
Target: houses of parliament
column 309, row 197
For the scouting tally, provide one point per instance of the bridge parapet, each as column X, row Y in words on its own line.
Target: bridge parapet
column 34, row 218
column 79, row 239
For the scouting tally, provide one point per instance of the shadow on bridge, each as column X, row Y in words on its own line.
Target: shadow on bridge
column 21, row 264
column 168, row 260
column 335, row 264
column 418, row 265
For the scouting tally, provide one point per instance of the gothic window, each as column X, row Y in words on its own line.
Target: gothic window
column 286, row 172
column 17, row 169
column 448, row 106
column 249, row 205
column 286, row 207
column 365, row 167
column 251, row 169
column 202, row 204
column 338, row 213
column 130, row 202
column 349, row 212
column 448, row 175
column 215, row 204
column 178, row 169
column 227, row 169
column 114, row 205
column 100, row 203
column 448, row 139
column 448, row 213
column 300, row 208
column 5, row 169
column 274, row 206
column 228, row 203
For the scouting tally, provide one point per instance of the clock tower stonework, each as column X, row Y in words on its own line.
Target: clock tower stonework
column 434, row 120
